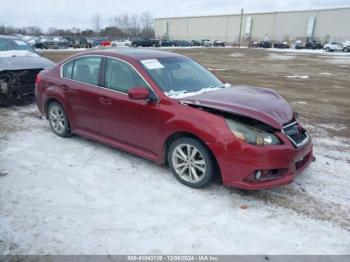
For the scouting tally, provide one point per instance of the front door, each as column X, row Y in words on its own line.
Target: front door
column 131, row 122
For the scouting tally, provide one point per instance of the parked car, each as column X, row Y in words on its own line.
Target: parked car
column 219, row 43
column 47, row 43
column 281, row 45
column 298, row 44
column 145, row 42
column 307, row 43
column 313, row 44
column 251, row 44
column 265, row 44
column 167, row 108
column 333, row 46
column 19, row 65
column 105, row 43
column 195, row 43
column 121, row 43
column 182, row 43
column 346, row 46
column 81, row 42
column 206, row 42
column 167, row 43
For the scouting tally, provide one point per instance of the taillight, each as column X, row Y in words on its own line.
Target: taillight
column 37, row 80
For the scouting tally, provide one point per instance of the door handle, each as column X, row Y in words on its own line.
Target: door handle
column 105, row 101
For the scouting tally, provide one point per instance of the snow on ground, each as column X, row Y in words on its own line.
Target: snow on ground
column 309, row 51
column 273, row 56
column 298, row 76
column 75, row 196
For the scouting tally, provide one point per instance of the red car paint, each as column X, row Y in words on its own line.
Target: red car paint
column 143, row 128
column 106, row 43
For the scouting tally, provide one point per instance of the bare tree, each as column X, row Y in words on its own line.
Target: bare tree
column 96, row 23
column 147, row 20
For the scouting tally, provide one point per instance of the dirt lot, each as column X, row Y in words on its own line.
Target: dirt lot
column 75, row 196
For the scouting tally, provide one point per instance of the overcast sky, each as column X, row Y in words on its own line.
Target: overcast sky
column 79, row 13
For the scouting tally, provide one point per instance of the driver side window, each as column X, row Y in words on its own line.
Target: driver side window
column 120, row 76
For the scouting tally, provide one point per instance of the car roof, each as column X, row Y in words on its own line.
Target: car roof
column 135, row 53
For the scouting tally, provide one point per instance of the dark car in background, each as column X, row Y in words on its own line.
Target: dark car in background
column 81, row 42
column 19, row 66
column 195, row 43
column 182, row 43
column 281, row 45
column 145, row 42
column 265, row 44
column 307, row 43
column 313, row 44
column 167, row 43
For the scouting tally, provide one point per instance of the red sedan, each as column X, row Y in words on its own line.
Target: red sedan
column 168, row 108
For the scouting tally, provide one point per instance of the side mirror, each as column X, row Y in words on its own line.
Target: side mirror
column 139, row 93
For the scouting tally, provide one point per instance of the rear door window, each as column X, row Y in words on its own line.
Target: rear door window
column 67, row 70
column 87, row 70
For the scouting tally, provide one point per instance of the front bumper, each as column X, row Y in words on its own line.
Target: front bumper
column 280, row 164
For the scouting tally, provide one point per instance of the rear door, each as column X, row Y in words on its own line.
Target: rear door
column 82, row 77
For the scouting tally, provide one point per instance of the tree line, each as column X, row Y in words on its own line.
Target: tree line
column 120, row 26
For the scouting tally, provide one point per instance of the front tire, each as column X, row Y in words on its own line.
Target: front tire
column 191, row 162
column 58, row 120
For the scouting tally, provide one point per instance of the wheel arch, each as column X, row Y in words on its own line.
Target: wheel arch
column 179, row 134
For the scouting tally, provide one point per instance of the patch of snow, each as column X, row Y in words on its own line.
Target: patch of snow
column 325, row 74
column 236, row 54
column 182, row 94
column 308, row 51
column 280, row 57
column 218, row 69
column 301, row 102
column 333, row 126
column 298, row 76
column 12, row 53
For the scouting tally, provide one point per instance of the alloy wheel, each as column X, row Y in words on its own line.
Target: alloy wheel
column 189, row 163
column 57, row 119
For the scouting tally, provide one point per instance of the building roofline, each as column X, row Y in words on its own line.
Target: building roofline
column 256, row 13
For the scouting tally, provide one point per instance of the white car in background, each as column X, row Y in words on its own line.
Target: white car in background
column 121, row 43
column 346, row 46
column 333, row 46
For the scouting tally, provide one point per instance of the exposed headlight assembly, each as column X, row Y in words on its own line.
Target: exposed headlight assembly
column 251, row 135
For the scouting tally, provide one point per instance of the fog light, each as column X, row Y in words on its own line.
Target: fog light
column 258, row 175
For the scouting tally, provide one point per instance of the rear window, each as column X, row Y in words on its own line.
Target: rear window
column 67, row 70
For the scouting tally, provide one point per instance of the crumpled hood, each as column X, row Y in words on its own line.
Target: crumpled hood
column 262, row 104
column 19, row 61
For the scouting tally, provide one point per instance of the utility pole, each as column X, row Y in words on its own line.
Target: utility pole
column 240, row 29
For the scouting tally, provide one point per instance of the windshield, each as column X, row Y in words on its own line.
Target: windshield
column 14, row 44
column 180, row 75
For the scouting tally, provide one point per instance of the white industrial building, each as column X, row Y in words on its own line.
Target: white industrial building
column 325, row 24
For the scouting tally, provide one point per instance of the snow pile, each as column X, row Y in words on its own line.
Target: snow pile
column 280, row 57
column 298, row 76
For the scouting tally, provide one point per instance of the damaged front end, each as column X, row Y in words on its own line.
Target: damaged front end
column 16, row 84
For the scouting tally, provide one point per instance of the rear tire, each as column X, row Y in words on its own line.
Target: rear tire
column 191, row 162
column 58, row 120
